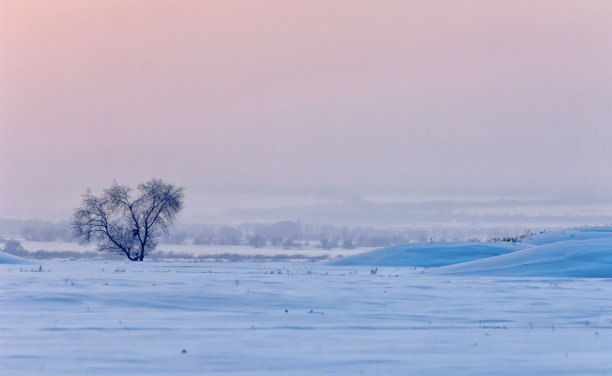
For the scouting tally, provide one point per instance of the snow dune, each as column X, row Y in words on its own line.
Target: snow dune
column 581, row 233
column 5, row 258
column 429, row 254
column 580, row 252
column 590, row 258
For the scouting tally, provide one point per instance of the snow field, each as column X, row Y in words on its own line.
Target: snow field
column 109, row 318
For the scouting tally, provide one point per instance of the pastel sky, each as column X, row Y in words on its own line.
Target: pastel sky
column 273, row 97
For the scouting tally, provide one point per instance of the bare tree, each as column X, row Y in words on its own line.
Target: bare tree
column 130, row 226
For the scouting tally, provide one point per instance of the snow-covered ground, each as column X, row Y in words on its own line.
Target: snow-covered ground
column 571, row 258
column 579, row 252
column 522, row 309
column 109, row 318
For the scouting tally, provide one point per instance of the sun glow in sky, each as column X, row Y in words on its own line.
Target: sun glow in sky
column 453, row 97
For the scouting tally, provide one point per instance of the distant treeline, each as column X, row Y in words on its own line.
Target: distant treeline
column 36, row 230
column 291, row 235
column 13, row 247
column 285, row 234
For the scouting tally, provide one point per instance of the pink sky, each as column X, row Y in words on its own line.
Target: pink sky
column 495, row 97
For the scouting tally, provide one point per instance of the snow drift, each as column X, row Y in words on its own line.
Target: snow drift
column 429, row 254
column 590, row 258
column 581, row 252
column 6, row 258
column 581, row 233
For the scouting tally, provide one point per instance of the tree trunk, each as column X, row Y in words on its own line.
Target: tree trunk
column 142, row 251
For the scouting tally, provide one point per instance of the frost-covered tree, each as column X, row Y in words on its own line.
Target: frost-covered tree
column 117, row 222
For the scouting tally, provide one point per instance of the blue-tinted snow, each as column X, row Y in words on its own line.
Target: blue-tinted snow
column 6, row 258
column 517, row 313
column 581, row 233
column 580, row 252
column 428, row 254
column 120, row 318
column 590, row 258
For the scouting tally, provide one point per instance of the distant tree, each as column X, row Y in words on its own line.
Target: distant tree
column 276, row 241
column 291, row 244
column 116, row 222
column 14, row 248
column 228, row 235
column 257, row 241
column 44, row 231
column 328, row 244
column 348, row 244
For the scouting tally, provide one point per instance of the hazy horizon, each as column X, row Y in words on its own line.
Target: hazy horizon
column 273, row 104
